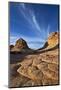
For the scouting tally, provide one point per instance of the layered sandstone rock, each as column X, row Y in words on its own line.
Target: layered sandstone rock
column 41, row 68
column 20, row 45
column 53, row 39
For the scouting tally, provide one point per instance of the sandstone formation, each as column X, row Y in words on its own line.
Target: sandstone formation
column 41, row 68
column 37, row 69
column 53, row 39
column 20, row 45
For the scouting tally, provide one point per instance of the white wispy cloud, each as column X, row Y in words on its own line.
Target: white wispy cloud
column 36, row 23
column 13, row 39
column 48, row 30
column 23, row 5
column 29, row 15
column 25, row 12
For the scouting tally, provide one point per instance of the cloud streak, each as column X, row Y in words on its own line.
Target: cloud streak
column 29, row 15
column 36, row 23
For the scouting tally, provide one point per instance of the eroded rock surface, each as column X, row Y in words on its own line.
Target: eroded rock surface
column 40, row 68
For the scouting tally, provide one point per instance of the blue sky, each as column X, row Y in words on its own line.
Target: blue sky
column 32, row 22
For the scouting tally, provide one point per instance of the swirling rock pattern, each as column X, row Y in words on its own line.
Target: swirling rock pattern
column 41, row 69
column 37, row 69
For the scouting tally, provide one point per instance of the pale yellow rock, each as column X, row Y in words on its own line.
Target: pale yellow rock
column 53, row 39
